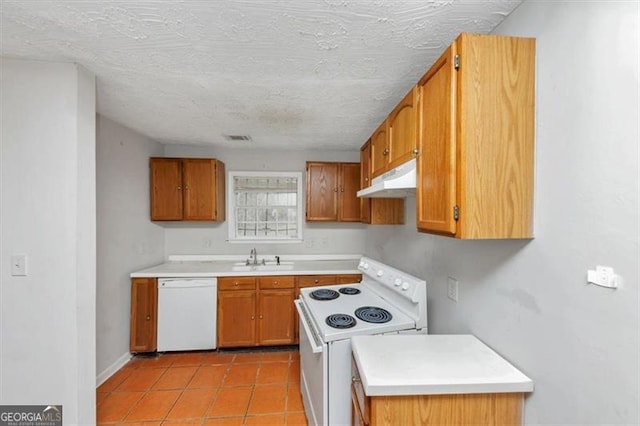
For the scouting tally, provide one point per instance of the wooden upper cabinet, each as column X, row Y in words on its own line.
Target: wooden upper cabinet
column 331, row 192
column 377, row 211
column 349, row 203
column 166, row 188
column 187, row 189
column 380, row 149
column 322, row 191
column 144, row 317
column 403, row 144
column 476, row 139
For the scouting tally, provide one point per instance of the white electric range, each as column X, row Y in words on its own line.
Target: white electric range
column 386, row 301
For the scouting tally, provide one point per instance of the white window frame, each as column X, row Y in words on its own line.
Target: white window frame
column 231, row 206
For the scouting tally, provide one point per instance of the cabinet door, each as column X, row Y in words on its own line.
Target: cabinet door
column 166, row 188
column 379, row 150
column 436, row 174
column 199, row 189
column 276, row 317
column 322, row 192
column 236, row 318
column 144, row 318
column 365, row 181
column 402, row 130
column 349, row 204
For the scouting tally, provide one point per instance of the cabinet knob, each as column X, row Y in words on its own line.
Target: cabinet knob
column 315, row 281
column 385, row 152
column 354, row 379
column 275, row 283
column 342, row 189
column 253, row 317
column 335, row 190
column 179, row 188
column 148, row 317
column 235, row 283
column 415, row 151
column 260, row 316
column 366, row 179
column 186, row 187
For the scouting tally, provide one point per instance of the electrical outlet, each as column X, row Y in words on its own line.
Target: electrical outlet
column 19, row 265
column 452, row 289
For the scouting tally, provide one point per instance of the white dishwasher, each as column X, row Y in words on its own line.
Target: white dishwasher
column 187, row 314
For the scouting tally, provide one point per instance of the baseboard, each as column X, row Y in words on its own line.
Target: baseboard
column 108, row 372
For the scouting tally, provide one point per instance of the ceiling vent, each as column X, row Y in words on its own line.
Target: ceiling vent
column 238, row 138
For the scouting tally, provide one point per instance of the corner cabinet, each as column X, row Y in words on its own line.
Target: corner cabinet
column 377, row 211
column 144, row 315
column 331, row 192
column 187, row 189
column 476, row 139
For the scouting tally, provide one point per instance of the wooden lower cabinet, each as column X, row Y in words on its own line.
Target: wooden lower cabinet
column 487, row 409
column 256, row 311
column 144, row 315
column 236, row 318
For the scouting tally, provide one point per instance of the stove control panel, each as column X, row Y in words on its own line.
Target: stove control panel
column 401, row 283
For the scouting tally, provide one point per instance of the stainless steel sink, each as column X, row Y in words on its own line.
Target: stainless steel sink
column 268, row 266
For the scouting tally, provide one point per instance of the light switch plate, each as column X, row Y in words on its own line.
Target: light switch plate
column 452, row 289
column 19, row 265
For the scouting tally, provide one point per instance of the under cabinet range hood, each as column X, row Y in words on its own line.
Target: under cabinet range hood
column 397, row 183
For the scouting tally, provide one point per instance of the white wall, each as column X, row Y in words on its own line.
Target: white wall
column 529, row 300
column 210, row 238
column 47, row 319
column 127, row 239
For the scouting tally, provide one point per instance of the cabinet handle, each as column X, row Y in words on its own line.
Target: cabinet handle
column 148, row 317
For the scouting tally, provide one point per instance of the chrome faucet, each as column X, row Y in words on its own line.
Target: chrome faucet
column 254, row 256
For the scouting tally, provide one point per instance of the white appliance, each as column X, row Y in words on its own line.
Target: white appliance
column 399, row 182
column 187, row 314
column 387, row 301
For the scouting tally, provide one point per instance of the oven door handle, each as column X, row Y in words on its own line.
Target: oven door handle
column 315, row 348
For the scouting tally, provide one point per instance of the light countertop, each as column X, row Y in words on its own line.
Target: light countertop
column 223, row 266
column 426, row 364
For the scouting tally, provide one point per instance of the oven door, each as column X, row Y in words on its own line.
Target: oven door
column 314, row 374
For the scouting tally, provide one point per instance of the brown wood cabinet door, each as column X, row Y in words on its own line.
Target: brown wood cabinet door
column 276, row 319
column 380, row 150
column 236, row 318
column 365, row 181
column 402, row 130
column 436, row 174
column 199, row 179
column 322, row 191
column 349, row 204
column 166, row 188
column 144, row 318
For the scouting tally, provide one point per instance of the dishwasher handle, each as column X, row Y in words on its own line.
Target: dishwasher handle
column 186, row 283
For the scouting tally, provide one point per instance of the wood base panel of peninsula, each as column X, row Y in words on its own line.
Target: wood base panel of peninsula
column 490, row 409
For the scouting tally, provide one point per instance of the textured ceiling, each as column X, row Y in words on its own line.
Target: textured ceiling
column 290, row 73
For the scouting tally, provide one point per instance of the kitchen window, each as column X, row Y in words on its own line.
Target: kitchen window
column 265, row 206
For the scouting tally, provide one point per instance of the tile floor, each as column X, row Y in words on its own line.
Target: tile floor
column 205, row 388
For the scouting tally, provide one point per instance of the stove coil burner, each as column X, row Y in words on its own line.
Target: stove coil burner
column 324, row 294
column 373, row 314
column 340, row 321
column 349, row 290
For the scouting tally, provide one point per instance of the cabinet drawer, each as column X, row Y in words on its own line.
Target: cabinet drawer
column 349, row 279
column 360, row 400
column 237, row 283
column 276, row 282
column 314, row 280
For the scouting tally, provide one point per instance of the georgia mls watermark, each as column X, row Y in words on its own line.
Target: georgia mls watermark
column 30, row 415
